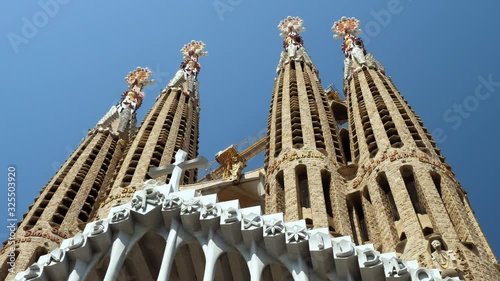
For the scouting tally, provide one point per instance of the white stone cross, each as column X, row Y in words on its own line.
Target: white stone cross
column 177, row 168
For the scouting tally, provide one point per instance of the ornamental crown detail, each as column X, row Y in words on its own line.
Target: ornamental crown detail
column 346, row 26
column 291, row 24
column 139, row 76
column 194, row 48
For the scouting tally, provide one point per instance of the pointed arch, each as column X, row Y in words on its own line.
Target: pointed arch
column 276, row 272
column 231, row 266
column 143, row 262
column 189, row 263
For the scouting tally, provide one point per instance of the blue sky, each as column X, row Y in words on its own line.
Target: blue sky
column 63, row 64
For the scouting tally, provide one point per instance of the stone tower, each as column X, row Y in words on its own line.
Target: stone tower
column 304, row 152
column 404, row 196
column 67, row 200
column 170, row 125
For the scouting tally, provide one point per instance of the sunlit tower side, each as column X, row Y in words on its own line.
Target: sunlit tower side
column 303, row 151
column 404, row 196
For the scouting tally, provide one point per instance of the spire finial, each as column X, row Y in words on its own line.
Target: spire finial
column 293, row 44
column 186, row 76
column 131, row 100
column 139, row 77
column 356, row 57
column 291, row 25
column 194, row 48
column 346, row 27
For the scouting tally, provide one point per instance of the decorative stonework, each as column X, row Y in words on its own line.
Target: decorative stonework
column 210, row 210
column 252, row 221
column 273, row 227
column 442, row 258
column 393, row 156
column 353, row 47
column 131, row 100
column 145, row 197
column 75, row 242
column 293, row 44
column 296, row 234
column 125, row 193
column 98, row 228
column 172, row 202
column 120, row 215
column 185, row 77
column 288, row 245
column 139, row 77
column 190, row 206
column 181, row 217
column 345, row 27
column 294, row 155
column 232, row 215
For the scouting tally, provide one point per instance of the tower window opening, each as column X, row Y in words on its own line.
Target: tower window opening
column 303, row 188
column 280, row 192
column 366, row 195
column 344, row 138
column 388, row 198
column 350, row 209
column 411, row 187
column 280, row 180
column 325, row 180
column 436, row 178
column 309, row 223
column 357, row 218
column 402, row 237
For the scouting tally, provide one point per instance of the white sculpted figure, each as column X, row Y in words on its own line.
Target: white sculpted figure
column 353, row 47
column 354, row 55
column 293, row 44
column 443, row 259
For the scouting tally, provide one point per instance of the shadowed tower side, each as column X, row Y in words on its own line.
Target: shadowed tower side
column 170, row 125
column 303, row 152
column 404, row 196
column 66, row 201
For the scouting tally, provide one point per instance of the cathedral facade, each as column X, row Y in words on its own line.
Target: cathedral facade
column 351, row 188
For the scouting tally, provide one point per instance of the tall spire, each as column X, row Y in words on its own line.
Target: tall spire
column 304, row 149
column 422, row 210
column 66, row 202
column 171, row 124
